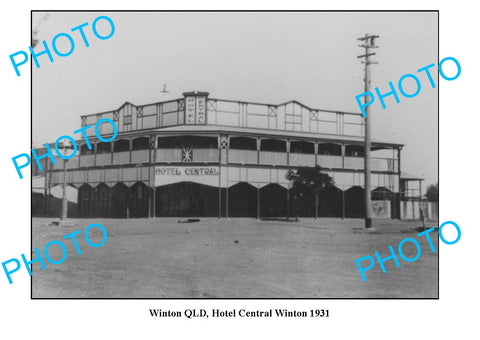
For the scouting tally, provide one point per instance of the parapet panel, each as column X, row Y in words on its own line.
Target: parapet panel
column 197, row 108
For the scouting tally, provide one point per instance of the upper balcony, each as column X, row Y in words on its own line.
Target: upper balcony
column 160, row 148
column 197, row 108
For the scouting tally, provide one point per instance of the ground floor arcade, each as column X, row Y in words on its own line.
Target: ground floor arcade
column 189, row 199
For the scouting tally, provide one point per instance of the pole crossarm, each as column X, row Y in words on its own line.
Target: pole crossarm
column 366, row 37
column 366, row 55
column 368, row 46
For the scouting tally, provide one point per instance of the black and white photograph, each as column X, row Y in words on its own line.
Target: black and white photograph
column 225, row 154
column 238, row 170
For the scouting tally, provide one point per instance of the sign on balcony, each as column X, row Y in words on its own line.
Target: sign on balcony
column 208, row 175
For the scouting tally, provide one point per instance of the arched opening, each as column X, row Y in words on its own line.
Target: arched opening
column 273, row 145
column 84, row 150
column 186, row 199
column 121, row 145
column 104, row 147
column 141, row 143
column 196, row 142
column 329, row 149
column 243, row 143
column 242, row 200
column 382, row 194
column 302, row 147
column 330, row 202
column 104, row 201
column 120, row 193
column 273, row 201
column 304, row 202
column 354, row 151
column 85, row 200
column 139, row 200
column 355, row 202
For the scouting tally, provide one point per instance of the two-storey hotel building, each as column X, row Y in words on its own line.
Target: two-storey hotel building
column 203, row 156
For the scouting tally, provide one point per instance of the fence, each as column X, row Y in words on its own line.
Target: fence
column 410, row 210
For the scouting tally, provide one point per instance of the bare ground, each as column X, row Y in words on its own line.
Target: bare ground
column 234, row 258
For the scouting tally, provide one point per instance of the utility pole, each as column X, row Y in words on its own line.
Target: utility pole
column 63, row 216
column 64, row 222
column 368, row 43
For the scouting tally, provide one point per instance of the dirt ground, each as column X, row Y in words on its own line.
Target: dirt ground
column 234, row 258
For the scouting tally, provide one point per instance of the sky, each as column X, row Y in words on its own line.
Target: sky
column 261, row 57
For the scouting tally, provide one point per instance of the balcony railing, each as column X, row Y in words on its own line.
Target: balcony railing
column 197, row 156
column 176, row 155
column 355, row 163
column 141, row 156
column 205, row 155
column 121, row 157
column 378, row 164
column 72, row 163
column 329, row 162
column 242, row 156
column 103, row 159
column 87, row 161
column 273, row 158
column 58, row 164
column 384, row 164
column 169, row 155
column 300, row 159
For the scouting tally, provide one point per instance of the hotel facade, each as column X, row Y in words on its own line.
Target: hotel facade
column 199, row 156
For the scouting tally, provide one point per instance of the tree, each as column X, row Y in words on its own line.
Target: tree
column 432, row 193
column 309, row 179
